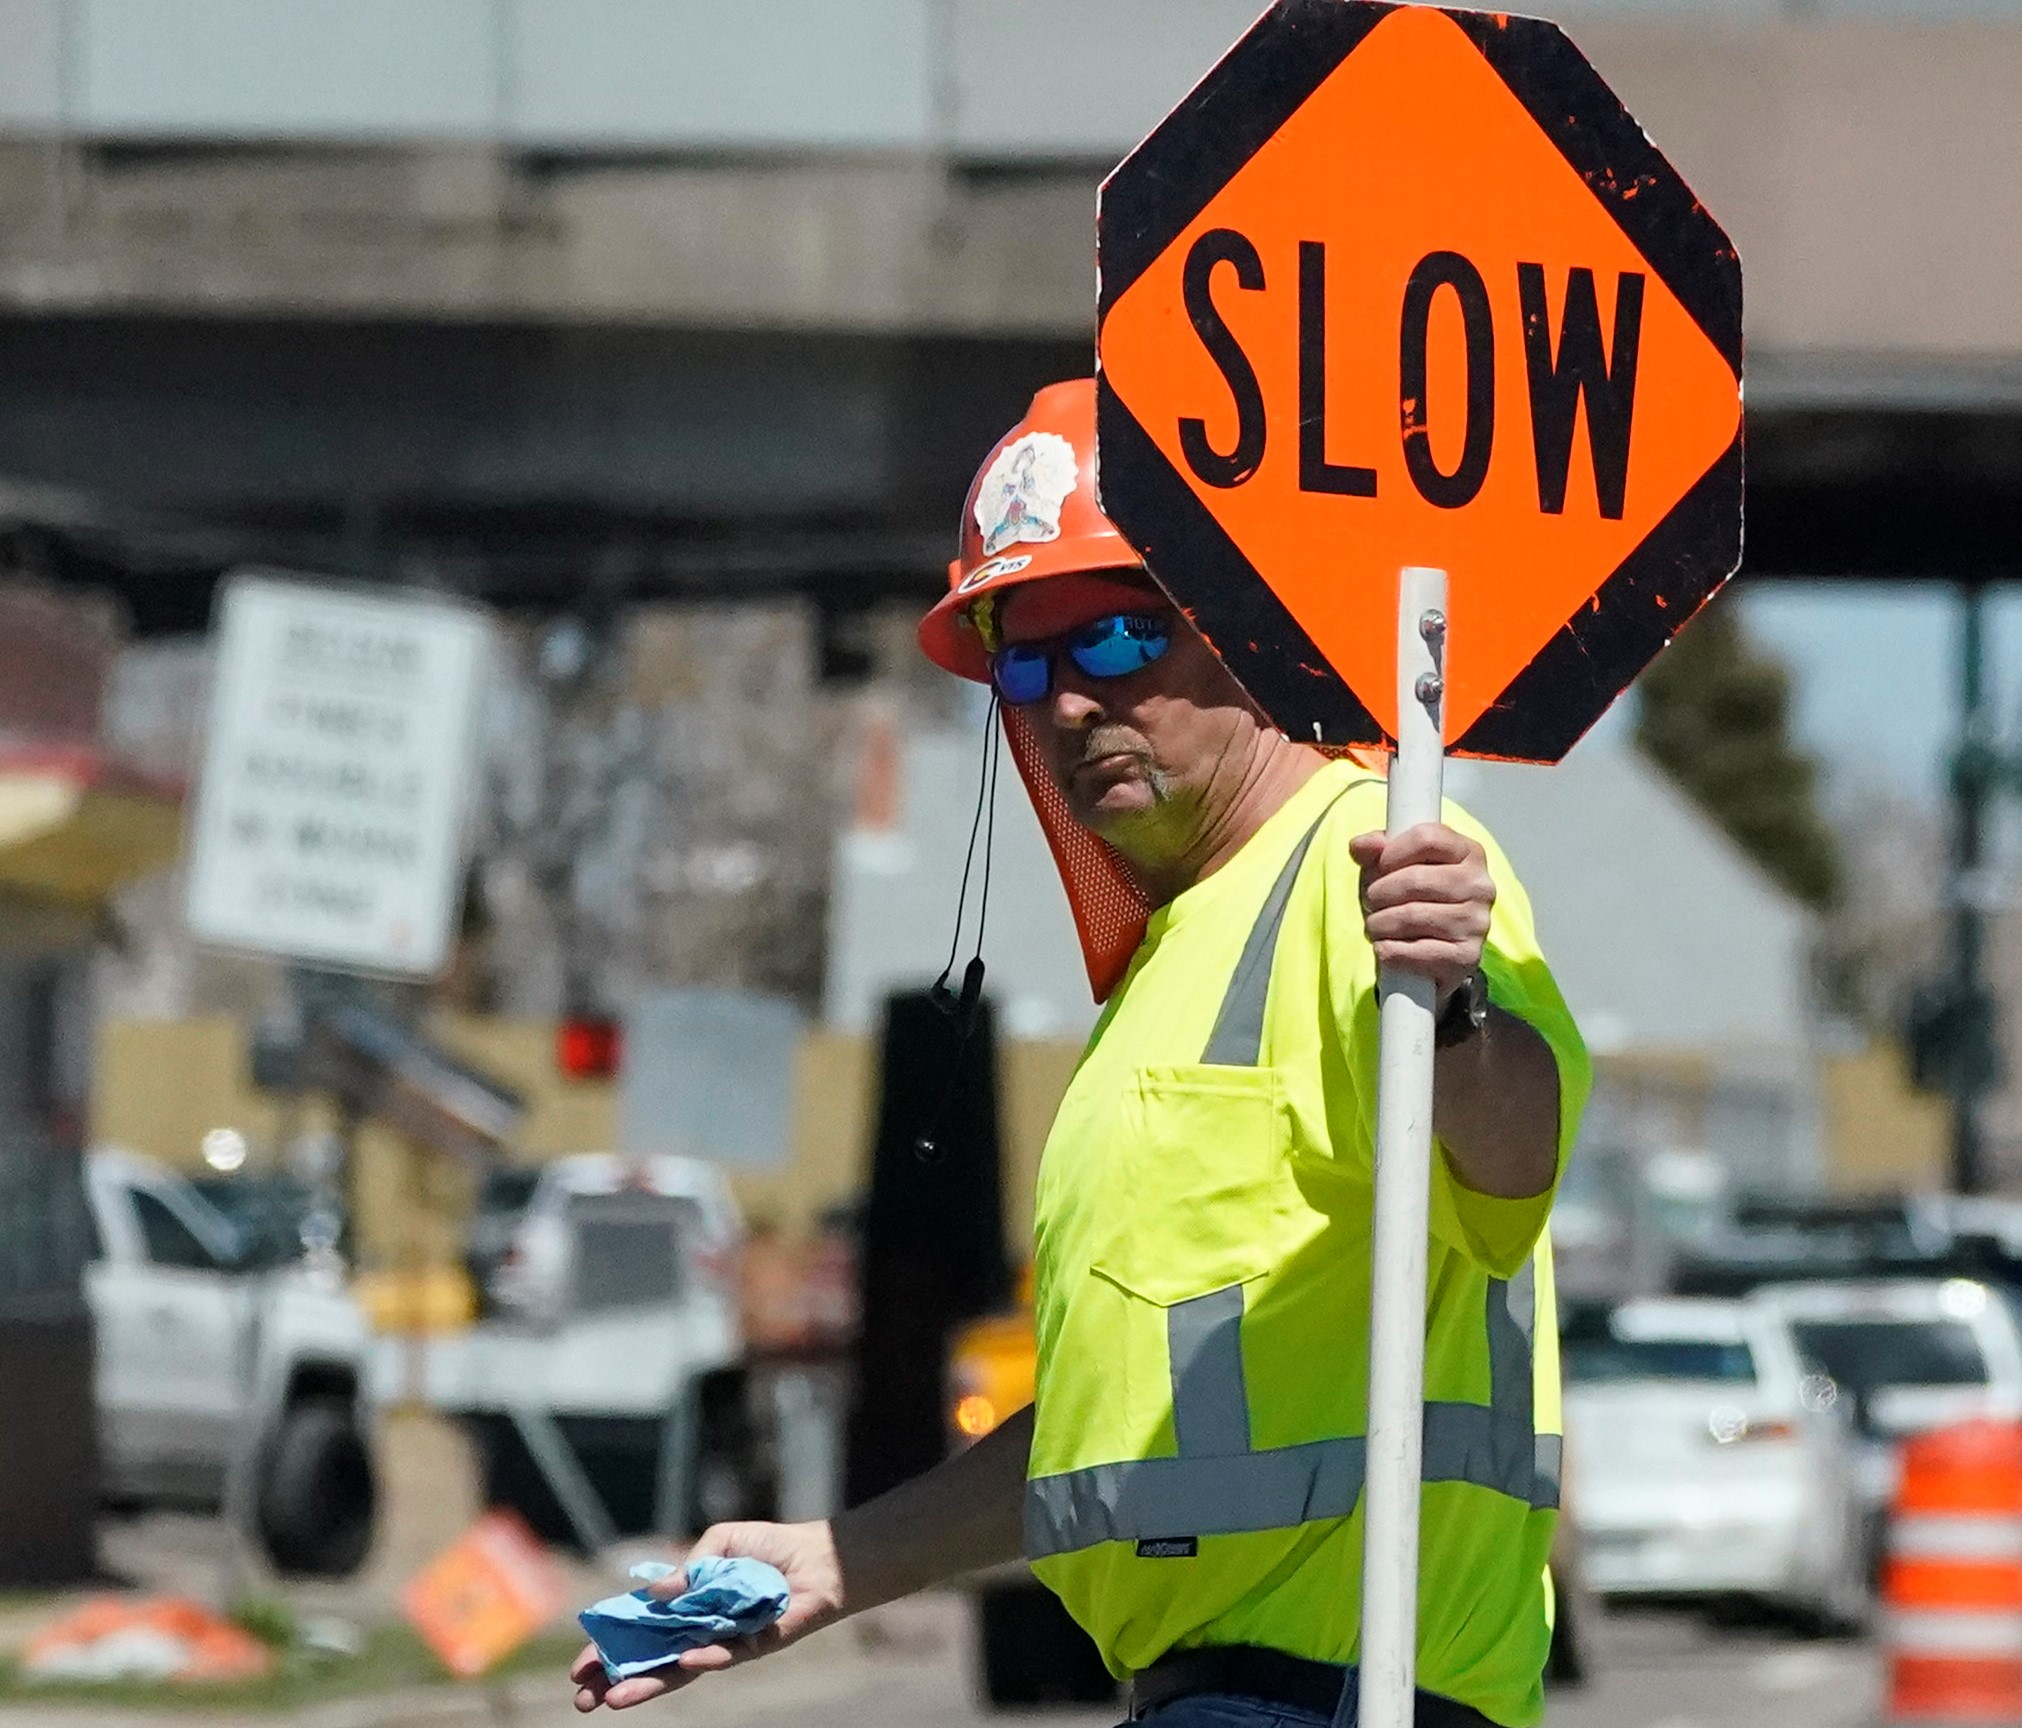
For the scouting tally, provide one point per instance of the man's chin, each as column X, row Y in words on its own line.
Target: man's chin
column 1104, row 805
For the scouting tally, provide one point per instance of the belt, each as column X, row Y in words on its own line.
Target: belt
column 1251, row 1671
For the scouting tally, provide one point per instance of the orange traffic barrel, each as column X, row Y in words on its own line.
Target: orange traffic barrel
column 1952, row 1584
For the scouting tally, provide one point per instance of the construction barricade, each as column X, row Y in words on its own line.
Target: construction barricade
column 1952, row 1585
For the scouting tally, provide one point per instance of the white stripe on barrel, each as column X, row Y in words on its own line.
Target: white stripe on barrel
column 1953, row 1536
column 1954, row 1634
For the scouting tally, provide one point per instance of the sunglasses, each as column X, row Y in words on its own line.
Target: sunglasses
column 1111, row 647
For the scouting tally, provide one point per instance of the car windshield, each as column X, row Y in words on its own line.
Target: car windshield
column 264, row 1213
column 1590, row 1360
column 1866, row 1354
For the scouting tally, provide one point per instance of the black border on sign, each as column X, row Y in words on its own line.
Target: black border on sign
column 1171, row 177
column 1652, row 595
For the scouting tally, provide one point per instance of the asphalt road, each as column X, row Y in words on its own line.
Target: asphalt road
column 911, row 1669
column 1680, row 1671
column 911, row 1665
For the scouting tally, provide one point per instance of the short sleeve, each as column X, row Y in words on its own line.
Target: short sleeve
column 1496, row 1233
column 1501, row 1233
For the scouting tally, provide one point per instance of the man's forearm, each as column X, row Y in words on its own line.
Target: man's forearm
column 1496, row 1108
column 962, row 1516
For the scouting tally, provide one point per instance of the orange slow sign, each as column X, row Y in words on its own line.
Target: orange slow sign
column 1399, row 285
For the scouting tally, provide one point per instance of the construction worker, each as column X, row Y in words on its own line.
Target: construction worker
column 1189, row 1477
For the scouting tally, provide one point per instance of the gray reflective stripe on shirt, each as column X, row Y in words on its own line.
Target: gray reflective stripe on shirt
column 1210, row 1407
column 1278, row 1489
column 1218, row 1486
column 1548, row 1467
column 1274, row 1490
column 1238, row 1038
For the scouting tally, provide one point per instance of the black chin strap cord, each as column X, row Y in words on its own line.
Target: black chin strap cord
column 964, row 1006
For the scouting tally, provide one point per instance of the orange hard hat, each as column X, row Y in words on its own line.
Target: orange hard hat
column 1030, row 513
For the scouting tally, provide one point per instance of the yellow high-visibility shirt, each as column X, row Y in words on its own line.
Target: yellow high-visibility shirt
column 1202, row 1299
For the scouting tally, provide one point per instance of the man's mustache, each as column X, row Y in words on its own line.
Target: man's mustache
column 1110, row 741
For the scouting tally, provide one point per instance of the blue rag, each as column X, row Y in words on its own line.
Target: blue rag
column 637, row 1632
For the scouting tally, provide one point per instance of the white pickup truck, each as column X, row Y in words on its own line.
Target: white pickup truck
column 224, row 1374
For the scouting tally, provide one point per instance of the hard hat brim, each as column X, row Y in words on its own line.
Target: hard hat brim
column 948, row 637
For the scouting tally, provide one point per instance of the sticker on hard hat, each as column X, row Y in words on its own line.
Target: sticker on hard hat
column 991, row 571
column 1020, row 497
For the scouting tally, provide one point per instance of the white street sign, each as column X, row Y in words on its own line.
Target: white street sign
column 329, row 821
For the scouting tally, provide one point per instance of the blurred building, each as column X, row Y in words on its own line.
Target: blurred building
column 533, row 297
column 571, row 304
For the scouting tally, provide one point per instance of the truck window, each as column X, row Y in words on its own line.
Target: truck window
column 170, row 1242
column 628, row 1249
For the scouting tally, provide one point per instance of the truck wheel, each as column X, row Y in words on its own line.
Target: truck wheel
column 1031, row 1652
column 317, row 1495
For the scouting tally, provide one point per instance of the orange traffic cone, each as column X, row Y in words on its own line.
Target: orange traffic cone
column 1952, row 1587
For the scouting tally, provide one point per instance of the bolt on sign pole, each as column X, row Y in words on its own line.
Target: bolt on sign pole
column 1403, row 1198
column 1404, row 287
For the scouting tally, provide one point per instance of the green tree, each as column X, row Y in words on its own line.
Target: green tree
column 1715, row 716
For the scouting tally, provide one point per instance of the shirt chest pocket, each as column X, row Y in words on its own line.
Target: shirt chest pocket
column 1198, row 1190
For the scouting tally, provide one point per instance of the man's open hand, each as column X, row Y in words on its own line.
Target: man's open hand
column 804, row 1553
column 1426, row 898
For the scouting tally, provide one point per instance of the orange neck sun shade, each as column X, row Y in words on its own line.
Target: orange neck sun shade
column 1110, row 908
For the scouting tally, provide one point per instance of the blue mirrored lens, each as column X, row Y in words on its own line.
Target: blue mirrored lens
column 1111, row 647
column 1022, row 672
column 1115, row 647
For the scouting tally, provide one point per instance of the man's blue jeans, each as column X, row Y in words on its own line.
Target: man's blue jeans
column 1225, row 1710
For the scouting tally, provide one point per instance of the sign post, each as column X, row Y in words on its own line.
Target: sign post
column 1403, row 1202
column 1419, row 391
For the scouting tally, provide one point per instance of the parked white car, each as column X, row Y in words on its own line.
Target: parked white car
column 210, row 1362
column 1906, row 1355
column 1711, row 1462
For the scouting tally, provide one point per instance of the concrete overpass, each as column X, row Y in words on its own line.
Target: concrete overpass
column 519, row 295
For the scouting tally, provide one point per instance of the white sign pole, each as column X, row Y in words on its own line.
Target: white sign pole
column 1403, row 1200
